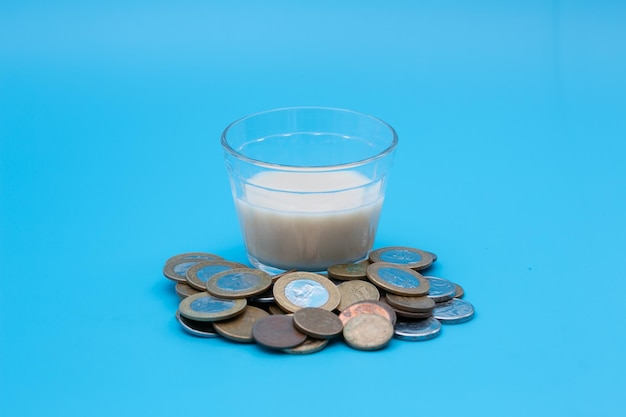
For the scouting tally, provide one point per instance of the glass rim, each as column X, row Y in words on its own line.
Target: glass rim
column 286, row 167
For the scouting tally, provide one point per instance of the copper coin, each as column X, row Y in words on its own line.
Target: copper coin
column 422, row 304
column 317, row 322
column 368, row 332
column 459, row 293
column 239, row 328
column 390, row 311
column 364, row 307
column 277, row 332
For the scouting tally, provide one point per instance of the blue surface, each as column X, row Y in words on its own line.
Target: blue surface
column 512, row 127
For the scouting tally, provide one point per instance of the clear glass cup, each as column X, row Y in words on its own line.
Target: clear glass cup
column 308, row 184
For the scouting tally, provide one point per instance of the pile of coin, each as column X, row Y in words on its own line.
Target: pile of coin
column 365, row 304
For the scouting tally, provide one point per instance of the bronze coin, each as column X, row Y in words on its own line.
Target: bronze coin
column 310, row 345
column 277, row 332
column 390, row 311
column 413, row 315
column 368, row 332
column 347, row 272
column 184, row 290
column 317, row 322
column 364, row 307
column 239, row 328
column 354, row 291
column 459, row 293
column 422, row 304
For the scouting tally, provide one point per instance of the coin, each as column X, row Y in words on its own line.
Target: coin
column 397, row 279
column 347, row 272
column 296, row 290
column 353, row 291
column 416, row 259
column 266, row 296
column 366, row 307
column 413, row 315
column 415, row 330
column 277, row 332
column 368, row 332
column 198, row 274
column 420, row 304
column 194, row 256
column 453, row 311
column 310, row 345
column 239, row 328
column 196, row 328
column 176, row 270
column 184, row 290
column 274, row 309
column 391, row 313
column 238, row 283
column 205, row 307
column 459, row 292
column 440, row 289
column 317, row 322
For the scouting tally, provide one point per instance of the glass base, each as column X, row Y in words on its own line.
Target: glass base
column 275, row 271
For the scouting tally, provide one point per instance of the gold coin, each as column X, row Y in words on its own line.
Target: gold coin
column 397, row 279
column 416, row 259
column 238, row 283
column 368, row 332
column 346, row 272
column 296, row 290
column 184, row 290
column 204, row 307
column 310, row 345
column 239, row 328
column 354, row 291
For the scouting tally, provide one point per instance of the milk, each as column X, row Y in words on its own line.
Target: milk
column 298, row 220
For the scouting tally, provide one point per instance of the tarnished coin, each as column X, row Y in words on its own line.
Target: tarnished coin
column 196, row 328
column 368, row 332
column 296, row 290
column 239, row 328
column 453, row 311
column 415, row 330
column 347, row 272
column 277, row 332
column 238, row 283
column 310, row 345
column 184, row 290
column 413, row 315
column 194, row 256
column 440, row 289
column 274, row 309
column 177, row 270
column 367, row 307
column 198, row 274
column 354, row 291
column 205, row 307
column 317, row 322
column 391, row 313
column 416, row 259
column 422, row 304
column 459, row 292
column 397, row 279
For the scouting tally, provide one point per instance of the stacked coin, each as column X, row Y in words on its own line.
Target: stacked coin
column 365, row 304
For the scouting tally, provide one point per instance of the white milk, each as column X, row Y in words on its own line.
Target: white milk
column 314, row 228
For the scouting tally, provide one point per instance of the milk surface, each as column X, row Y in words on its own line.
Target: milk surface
column 297, row 220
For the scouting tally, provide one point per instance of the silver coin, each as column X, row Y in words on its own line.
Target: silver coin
column 196, row 328
column 453, row 311
column 415, row 330
column 440, row 289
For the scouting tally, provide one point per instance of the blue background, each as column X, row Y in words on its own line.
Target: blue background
column 512, row 125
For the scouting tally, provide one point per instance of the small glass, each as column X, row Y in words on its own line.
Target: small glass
column 308, row 184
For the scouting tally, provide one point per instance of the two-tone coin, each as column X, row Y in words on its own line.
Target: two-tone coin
column 346, row 272
column 317, row 322
column 310, row 345
column 196, row 328
column 368, row 332
column 238, row 283
column 194, row 256
column 176, row 270
column 239, row 328
column 199, row 273
column 413, row 258
column 205, row 307
column 453, row 311
column 297, row 290
column 415, row 330
column 397, row 279
column 277, row 332
column 440, row 289
column 354, row 291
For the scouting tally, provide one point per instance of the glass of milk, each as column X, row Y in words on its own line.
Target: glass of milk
column 308, row 184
